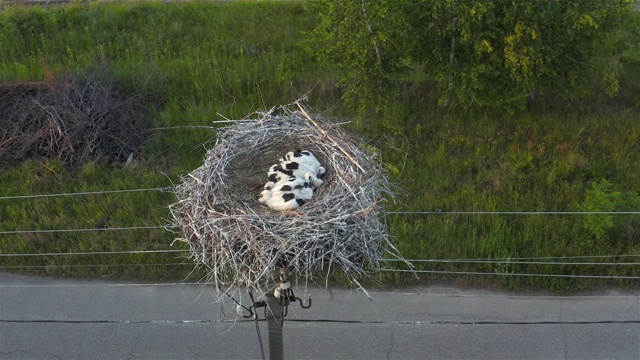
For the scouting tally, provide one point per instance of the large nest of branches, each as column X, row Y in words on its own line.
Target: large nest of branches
column 74, row 119
column 242, row 243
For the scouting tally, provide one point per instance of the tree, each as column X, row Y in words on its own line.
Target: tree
column 495, row 53
column 364, row 40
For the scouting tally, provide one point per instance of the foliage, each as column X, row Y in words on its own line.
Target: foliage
column 232, row 58
column 498, row 54
column 602, row 198
column 365, row 41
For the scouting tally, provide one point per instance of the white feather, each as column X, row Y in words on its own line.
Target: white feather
column 304, row 157
column 276, row 200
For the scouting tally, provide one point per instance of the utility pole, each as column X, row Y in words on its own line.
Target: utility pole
column 274, row 324
column 276, row 306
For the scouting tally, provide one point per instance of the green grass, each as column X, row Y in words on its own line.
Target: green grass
column 202, row 59
column 542, row 163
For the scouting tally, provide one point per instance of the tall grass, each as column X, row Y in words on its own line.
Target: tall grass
column 532, row 163
column 207, row 60
column 198, row 59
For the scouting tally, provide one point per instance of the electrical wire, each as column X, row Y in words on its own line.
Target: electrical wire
column 512, row 262
column 13, row 232
column 502, row 261
column 612, row 277
column 515, row 261
column 98, row 192
column 255, row 317
column 88, row 265
column 507, row 259
column 91, row 284
column 97, row 253
column 439, row 212
column 549, row 257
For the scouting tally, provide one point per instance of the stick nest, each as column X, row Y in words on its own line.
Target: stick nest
column 242, row 242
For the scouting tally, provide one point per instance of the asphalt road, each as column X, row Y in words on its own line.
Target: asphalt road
column 52, row 319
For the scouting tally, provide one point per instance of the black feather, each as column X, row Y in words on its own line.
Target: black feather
column 288, row 197
column 285, row 188
column 273, row 177
column 288, row 172
column 292, row 165
column 300, row 202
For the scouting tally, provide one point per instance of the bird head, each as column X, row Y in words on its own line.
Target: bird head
column 289, row 156
column 273, row 169
column 264, row 196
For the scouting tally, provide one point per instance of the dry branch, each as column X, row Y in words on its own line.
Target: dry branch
column 75, row 120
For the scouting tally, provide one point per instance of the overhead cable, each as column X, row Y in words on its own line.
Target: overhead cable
column 16, row 197
column 617, row 277
column 79, row 230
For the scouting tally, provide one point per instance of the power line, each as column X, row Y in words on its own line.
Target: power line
column 514, row 261
column 385, row 260
column 550, row 257
column 97, row 253
column 3, row 286
column 161, row 189
column 612, row 277
column 89, row 265
column 10, row 232
column 188, row 263
column 438, row 212
column 444, row 261
column 507, row 296
column 507, row 261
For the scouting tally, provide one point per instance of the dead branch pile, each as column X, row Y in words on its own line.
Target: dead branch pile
column 75, row 120
column 242, row 242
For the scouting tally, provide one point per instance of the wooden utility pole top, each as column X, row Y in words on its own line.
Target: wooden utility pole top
column 274, row 324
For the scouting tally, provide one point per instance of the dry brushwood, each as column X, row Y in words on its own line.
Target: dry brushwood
column 74, row 120
column 241, row 243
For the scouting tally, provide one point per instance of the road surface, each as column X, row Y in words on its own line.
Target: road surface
column 43, row 318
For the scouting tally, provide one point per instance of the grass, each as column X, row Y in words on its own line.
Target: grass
column 542, row 163
column 205, row 59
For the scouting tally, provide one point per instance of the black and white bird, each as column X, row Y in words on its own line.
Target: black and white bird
column 301, row 188
column 307, row 158
column 299, row 169
column 292, row 181
column 303, row 156
column 276, row 174
column 280, row 200
column 313, row 181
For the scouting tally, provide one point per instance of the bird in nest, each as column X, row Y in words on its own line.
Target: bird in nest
column 292, row 181
column 280, row 200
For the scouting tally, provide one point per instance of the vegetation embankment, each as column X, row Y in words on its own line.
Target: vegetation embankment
column 205, row 61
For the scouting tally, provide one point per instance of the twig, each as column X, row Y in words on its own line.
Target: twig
column 304, row 112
